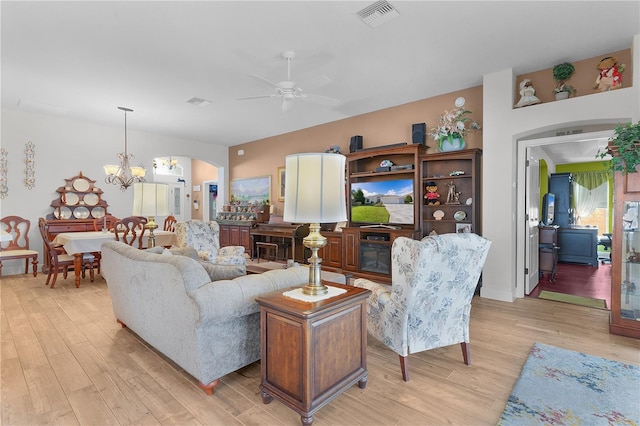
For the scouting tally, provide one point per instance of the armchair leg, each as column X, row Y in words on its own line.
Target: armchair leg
column 404, row 367
column 466, row 353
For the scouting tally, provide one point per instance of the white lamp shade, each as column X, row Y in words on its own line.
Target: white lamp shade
column 315, row 188
column 150, row 199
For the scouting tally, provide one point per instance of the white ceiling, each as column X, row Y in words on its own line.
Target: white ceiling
column 82, row 59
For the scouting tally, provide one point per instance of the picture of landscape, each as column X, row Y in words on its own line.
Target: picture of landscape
column 388, row 201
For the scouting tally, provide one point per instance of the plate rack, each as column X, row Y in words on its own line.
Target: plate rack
column 79, row 199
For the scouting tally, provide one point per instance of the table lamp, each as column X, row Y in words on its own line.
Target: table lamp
column 150, row 200
column 315, row 193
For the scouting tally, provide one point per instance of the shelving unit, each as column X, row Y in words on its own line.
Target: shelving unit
column 79, row 199
column 625, row 257
column 366, row 244
column 444, row 169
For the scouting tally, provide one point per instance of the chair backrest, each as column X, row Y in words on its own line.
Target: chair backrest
column 50, row 252
column 19, row 229
column 107, row 221
column 434, row 281
column 130, row 230
column 169, row 223
column 202, row 236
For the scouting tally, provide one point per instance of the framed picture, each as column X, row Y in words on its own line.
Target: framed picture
column 463, row 228
column 252, row 190
column 281, row 181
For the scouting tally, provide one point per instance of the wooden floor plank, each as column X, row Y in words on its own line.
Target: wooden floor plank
column 66, row 361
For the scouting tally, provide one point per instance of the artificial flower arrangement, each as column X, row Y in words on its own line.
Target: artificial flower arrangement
column 453, row 125
column 333, row 149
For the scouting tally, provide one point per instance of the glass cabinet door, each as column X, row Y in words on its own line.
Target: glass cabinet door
column 630, row 272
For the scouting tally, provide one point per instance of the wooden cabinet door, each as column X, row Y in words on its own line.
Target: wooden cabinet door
column 245, row 238
column 225, row 237
column 350, row 243
column 331, row 254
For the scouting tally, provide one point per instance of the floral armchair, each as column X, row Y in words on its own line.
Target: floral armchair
column 205, row 238
column 429, row 302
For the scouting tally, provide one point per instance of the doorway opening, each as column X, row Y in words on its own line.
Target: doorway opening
column 547, row 150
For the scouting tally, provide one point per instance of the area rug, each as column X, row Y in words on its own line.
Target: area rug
column 575, row 300
column 562, row 387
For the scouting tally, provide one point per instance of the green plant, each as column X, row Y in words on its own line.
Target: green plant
column 561, row 73
column 624, row 149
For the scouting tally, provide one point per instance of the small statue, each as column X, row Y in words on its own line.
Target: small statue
column 453, row 197
column 527, row 93
column 432, row 196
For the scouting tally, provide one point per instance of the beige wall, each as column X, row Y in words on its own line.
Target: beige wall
column 384, row 127
column 200, row 172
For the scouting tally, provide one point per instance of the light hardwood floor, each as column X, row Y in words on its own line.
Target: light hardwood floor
column 66, row 361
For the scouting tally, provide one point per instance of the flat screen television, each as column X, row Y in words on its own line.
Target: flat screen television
column 387, row 202
column 548, row 208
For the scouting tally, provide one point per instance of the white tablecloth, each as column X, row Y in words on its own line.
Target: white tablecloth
column 90, row 242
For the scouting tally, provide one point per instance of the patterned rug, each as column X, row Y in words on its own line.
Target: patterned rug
column 562, row 387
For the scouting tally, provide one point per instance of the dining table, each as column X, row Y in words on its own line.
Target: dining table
column 78, row 243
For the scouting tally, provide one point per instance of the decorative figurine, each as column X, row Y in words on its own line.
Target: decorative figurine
column 610, row 76
column 432, row 196
column 453, row 197
column 527, row 93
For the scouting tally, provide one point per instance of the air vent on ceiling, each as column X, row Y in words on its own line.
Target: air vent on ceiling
column 199, row 102
column 378, row 13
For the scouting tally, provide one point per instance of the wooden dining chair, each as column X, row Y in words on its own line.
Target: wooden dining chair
column 58, row 260
column 130, row 230
column 18, row 247
column 169, row 223
column 106, row 221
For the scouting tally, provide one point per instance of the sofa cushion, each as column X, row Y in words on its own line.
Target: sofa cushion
column 178, row 251
column 223, row 272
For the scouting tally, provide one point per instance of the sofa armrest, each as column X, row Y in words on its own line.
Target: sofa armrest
column 231, row 251
column 380, row 293
column 221, row 300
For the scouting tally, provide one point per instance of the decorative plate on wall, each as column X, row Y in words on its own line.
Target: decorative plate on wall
column 81, row 185
column 459, row 215
column 438, row 214
column 81, row 213
column 71, row 198
column 97, row 212
column 91, row 199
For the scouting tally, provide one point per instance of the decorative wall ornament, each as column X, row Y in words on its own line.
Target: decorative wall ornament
column 4, row 189
column 30, row 165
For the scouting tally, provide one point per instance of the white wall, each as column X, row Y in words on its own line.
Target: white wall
column 503, row 126
column 64, row 148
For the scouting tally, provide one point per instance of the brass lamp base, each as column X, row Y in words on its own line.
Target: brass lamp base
column 314, row 241
column 151, row 226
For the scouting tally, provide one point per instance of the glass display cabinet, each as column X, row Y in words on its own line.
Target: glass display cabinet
column 625, row 255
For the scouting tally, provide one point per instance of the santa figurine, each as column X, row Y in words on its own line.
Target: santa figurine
column 610, row 76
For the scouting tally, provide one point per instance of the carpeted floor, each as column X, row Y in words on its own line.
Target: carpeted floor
column 562, row 387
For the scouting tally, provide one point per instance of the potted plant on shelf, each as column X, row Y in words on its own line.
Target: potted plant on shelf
column 561, row 73
column 624, row 149
column 452, row 129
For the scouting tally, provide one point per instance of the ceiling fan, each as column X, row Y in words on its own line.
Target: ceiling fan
column 289, row 90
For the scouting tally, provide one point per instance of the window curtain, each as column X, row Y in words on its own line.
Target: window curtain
column 588, row 189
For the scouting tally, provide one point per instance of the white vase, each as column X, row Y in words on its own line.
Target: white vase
column 561, row 95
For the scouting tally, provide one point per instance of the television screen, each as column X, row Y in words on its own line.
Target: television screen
column 388, row 201
column 548, row 207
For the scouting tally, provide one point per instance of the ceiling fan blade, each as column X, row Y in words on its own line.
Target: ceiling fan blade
column 256, row 97
column 315, row 82
column 264, row 80
column 321, row 100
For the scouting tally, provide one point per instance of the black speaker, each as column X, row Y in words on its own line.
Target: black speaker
column 419, row 133
column 355, row 144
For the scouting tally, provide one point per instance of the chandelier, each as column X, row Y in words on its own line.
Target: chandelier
column 168, row 163
column 124, row 174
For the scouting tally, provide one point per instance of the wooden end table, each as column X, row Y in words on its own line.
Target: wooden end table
column 312, row 351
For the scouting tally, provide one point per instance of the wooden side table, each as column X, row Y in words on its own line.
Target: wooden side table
column 312, row 351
